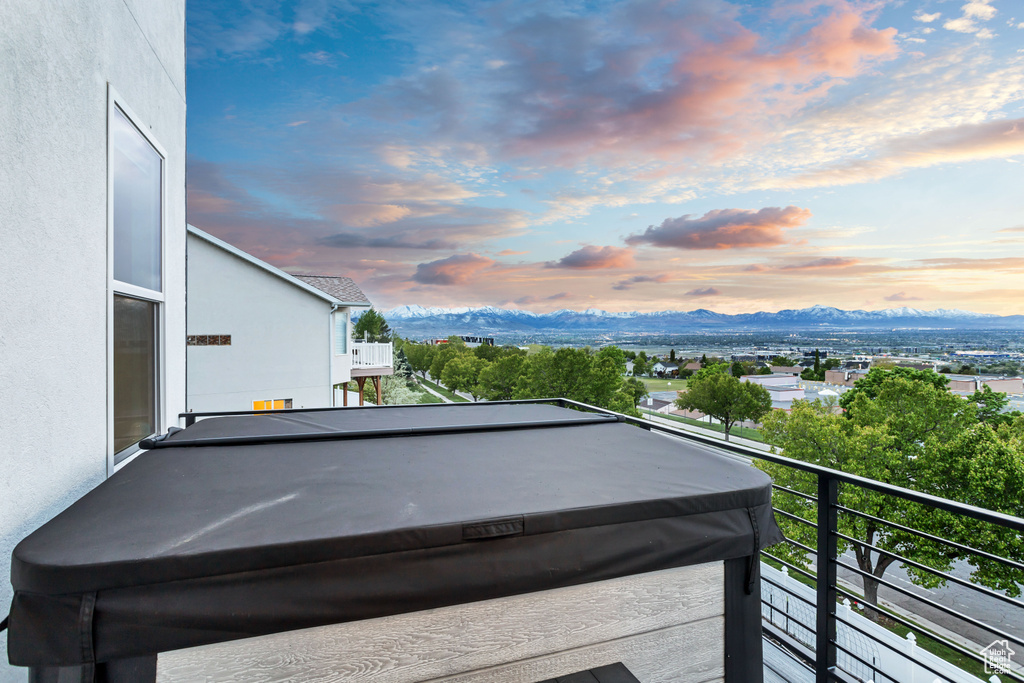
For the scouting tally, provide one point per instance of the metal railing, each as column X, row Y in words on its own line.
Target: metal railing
column 371, row 355
column 822, row 659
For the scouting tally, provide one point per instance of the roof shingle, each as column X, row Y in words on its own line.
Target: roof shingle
column 341, row 288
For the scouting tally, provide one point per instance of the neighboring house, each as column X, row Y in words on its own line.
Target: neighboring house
column 692, row 367
column 92, row 267
column 793, row 370
column 657, row 405
column 262, row 339
column 661, row 369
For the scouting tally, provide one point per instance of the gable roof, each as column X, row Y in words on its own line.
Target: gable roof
column 341, row 288
column 288, row 277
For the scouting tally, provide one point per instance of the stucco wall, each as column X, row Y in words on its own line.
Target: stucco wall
column 280, row 335
column 56, row 59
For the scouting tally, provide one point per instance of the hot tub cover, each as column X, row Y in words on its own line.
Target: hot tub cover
column 242, row 526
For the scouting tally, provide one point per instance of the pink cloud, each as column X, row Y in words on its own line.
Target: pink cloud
column 454, row 270
column 725, row 229
column 832, row 262
column 629, row 282
column 592, row 258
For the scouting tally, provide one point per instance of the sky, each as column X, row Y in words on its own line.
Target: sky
column 629, row 155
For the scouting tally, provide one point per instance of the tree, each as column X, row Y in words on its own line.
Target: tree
column 817, row 362
column 395, row 391
column 967, row 370
column 497, row 381
column 372, row 327
column 419, row 356
column 714, row 392
column 672, row 355
column 462, row 372
column 737, row 369
column 904, row 428
column 641, row 366
column 443, row 353
column 704, row 360
column 635, row 389
column 764, row 371
column 401, row 364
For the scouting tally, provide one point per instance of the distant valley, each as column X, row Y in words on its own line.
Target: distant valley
column 416, row 321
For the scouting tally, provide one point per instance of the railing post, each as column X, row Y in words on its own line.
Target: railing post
column 828, row 526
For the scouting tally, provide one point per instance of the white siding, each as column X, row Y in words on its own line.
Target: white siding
column 280, row 335
column 56, row 61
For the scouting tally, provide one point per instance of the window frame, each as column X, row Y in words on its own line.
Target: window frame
column 115, row 104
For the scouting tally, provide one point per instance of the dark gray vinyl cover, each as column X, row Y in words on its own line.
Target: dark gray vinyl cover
column 213, row 536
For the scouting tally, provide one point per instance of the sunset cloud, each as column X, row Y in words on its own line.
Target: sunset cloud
column 902, row 296
column 968, row 142
column 594, row 258
column 725, row 229
column 833, row 262
column 703, row 291
column 629, row 282
column 454, row 270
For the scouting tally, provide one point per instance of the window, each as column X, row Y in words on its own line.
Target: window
column 340, row 333
column 136, row 217
column 273, row 404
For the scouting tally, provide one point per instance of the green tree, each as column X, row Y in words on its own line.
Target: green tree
column 635, row 389
column 902, row 427
column 462, row 372
column 714, row 392
column 672, row 355
column 443, row 353
column 372, row 327
column 704, row 360
column 641, row 365
column 877, row 378
column 401, row 364
column 497, row 381
column 737, row 369
column 764, row 371
column 817, row 363
column 966, row 370
column 419, row 356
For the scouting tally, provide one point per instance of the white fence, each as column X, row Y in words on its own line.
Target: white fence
column 893, row 659
column 370, row 355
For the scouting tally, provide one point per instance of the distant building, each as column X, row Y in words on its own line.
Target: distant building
column 661, row 369
column 845, row 378
column 769, row 380
column 970, row 383
column 469, row 341
column 785, row 393
column 692, row 367
column 794, row 370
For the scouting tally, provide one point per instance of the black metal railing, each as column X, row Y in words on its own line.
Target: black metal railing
column 823, row 658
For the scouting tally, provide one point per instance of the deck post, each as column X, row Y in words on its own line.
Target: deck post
column 828, row 526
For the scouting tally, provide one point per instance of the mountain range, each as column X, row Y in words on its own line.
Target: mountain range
column 487, row 320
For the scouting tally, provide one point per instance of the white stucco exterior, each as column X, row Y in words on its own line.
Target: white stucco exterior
column 58, row 63
column 282, row 330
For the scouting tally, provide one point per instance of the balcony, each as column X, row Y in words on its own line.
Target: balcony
column 814, row 623
column 369, row 357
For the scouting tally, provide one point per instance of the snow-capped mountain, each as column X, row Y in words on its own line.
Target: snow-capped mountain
column 417, row 320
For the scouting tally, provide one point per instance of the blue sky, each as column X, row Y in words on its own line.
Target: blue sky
column 620, row 155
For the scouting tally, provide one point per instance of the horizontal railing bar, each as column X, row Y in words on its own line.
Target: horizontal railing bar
column 800, row 545
column 955, row 579
column 808, row 496
column 785, row 614
column 895, row 649
column 798, row 651
column 789, row 592
column 1009, row 521
column 932, row 537
column 795, row 568
column 795, row 518
column 915, row 627
column 936, row 605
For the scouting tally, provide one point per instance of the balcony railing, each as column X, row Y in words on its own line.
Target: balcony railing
column 371, row 355
column 808, row 614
